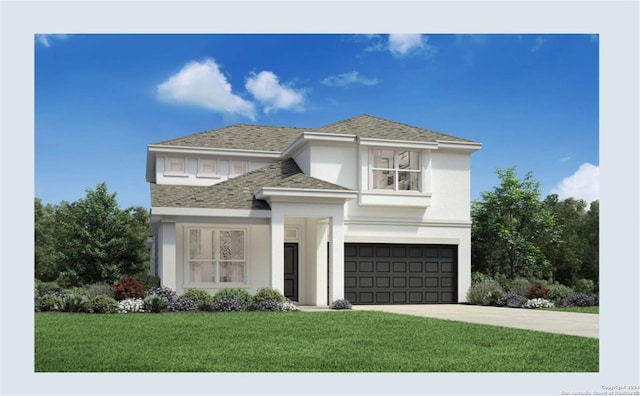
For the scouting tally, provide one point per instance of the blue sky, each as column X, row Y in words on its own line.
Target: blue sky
column 100, row 99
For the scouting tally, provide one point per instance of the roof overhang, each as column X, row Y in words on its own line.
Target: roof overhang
column 300, row 195
column 158, row 213
column 459, row 146
column 306, row 137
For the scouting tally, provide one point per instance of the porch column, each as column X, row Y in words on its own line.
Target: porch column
column 167, row 255
column 336, row 262
column 276, row 232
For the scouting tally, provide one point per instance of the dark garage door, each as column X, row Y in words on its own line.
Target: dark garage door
column 400, row 274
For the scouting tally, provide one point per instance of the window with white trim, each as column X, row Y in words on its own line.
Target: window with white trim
column 207, row 167
column 395, row 170
column 175, row 166
column 216, row 255
column 239, row 167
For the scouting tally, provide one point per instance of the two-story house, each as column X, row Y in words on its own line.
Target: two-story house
column 366, row 209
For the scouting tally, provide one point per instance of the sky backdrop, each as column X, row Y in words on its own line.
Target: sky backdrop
column 100, row 99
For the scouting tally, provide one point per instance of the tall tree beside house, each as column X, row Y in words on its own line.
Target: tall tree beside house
column 508, row 226
column 97, row 241
column 565, row 252
column 590, row 234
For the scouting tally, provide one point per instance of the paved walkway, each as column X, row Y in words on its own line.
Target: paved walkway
column 571, row 323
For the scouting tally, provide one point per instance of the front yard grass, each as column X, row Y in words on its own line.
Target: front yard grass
column 335, row 341
column 592, row 310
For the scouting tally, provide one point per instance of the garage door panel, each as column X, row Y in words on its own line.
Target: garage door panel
column 424, row 274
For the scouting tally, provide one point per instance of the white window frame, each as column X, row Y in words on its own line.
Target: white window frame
column 232, row 167
column 396, row 169
column 216, row 259
column 167, row 166
column 215, row 174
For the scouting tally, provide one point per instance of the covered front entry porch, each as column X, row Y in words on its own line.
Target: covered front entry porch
column 306, row 237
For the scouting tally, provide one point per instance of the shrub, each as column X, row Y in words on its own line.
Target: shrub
column 99, row 289
column 183, row 304
column 49, row 302
column 537, row 291
column 485, row 292
column 155, row 303
column 43, row 287
column 580, row 300
column 201, row 297
column 162, row 291
column 520, row 286
column 289, row 306
column 147, row 280
column 127, row 288
column 131, row 305
column 227, row 304
column 558, row 293
column 512, row 300
column 103, row 304
column 78, row 290
column 584, row 286
column 75, row 303
column 267, row 293
column 479, row 276
column 269, row 305
column 539, row 303
column 340, row 304
column 243, row 296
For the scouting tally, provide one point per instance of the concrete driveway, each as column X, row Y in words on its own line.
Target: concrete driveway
column 571, row 323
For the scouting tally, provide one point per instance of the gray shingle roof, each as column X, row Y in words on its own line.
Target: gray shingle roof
column 366, row 126
column 273, row 138
column 240, row 136
column 237, row 192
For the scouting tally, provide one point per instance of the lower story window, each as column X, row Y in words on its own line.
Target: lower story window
column 216, row 255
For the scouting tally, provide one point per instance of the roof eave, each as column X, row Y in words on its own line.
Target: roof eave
column 302, row 195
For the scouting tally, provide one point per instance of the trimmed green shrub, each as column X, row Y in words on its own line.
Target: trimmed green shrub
column 485, row 292
column 537, row 291
column 75, row 303
column 244, row 297
column 147, row 280
column 43, row 287
column 557, row 293
column 584, row 286
column 99, row 289
column 127, row 288
column 520, row 286
column 103, row 304
column 155, row 304
column 77, row 290
column 267, row 293
column 49, row 302
column 201, row 297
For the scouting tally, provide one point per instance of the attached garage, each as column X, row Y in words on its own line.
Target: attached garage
column 377, row 273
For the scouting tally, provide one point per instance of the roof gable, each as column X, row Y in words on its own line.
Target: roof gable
column 238, row 192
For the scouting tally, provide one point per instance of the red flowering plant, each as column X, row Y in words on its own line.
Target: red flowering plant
column 127, row 288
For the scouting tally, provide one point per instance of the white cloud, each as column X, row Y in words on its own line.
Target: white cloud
column 266, row 89
column 539, row 43
column 344, row 79
column 45, row 39
column 583, row 184
column 404, row 44
column 203, row 84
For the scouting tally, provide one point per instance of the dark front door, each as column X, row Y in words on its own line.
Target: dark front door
column 291, row 271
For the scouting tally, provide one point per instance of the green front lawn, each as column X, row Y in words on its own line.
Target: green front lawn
column 593, row 310
column 335, row 341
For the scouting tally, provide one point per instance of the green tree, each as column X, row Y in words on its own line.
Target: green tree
column 508, row 226
column 565, row 252
column 44, row 240
column 97, row 241
column 591, row 236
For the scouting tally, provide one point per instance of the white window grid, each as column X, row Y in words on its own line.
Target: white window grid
column 395, row 169
column 215, row 257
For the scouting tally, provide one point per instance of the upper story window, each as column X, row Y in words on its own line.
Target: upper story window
column 175, row 166
column 395, row 170
column 207, row 167
column 238, row 167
